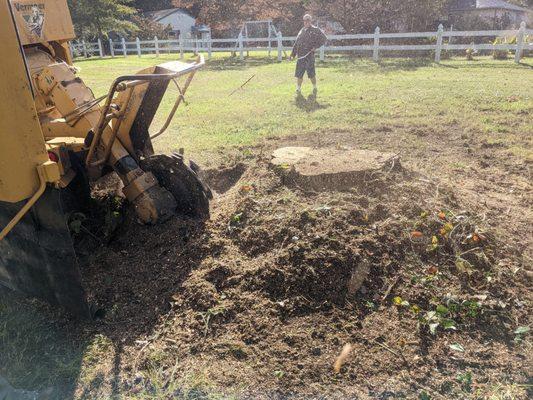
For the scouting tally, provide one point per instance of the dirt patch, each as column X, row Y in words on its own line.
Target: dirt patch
column 261, row 300
column 224, row 178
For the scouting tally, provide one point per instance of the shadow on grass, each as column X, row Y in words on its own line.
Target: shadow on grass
column 309, row 104
column 367, row 65
column 41, row 347
column 344, row 63
column 523, row 64
column 36, row 348
column 235, row 63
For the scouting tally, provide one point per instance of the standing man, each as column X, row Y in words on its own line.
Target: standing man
column 308, row 41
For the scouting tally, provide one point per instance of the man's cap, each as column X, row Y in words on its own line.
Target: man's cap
column 308, row 17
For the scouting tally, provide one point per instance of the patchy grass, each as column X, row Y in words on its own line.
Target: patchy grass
column 34, row 351
column 39, row 349
column 489, row 99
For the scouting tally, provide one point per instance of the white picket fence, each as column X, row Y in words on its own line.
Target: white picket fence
column 438, row 42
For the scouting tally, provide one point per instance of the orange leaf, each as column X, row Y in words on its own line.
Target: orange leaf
column 433, row 270
column 246, row 188
column 417, row 234
column 442, row 215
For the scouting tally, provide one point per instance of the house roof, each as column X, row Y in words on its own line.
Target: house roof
column 499, row 4
column 465, row 5
column 159, row 15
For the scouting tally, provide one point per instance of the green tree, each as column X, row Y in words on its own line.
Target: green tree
column 152, row 5
column 354, row 15
column 96, row 18
column 224, row 16
column 389, row 15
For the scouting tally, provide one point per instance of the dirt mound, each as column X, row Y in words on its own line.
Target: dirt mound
column 264, row 296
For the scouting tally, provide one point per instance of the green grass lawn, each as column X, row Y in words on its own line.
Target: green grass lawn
column 491, row 98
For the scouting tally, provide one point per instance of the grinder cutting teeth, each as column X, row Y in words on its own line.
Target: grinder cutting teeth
column 56, row 137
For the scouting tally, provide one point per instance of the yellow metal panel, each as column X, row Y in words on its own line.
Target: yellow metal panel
column 42, row 20
column 132, row 111
column 22, row 146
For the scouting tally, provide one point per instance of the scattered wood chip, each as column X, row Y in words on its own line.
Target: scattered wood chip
column 342, row 357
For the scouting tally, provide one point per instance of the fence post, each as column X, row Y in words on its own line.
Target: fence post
column 280, row 47
column 156, row 44
column 520, row 38
column 323, row 52
column 100, row 48
column 138, row 45
column 438, row 49
column 84, row 47
column 269, row 40
column 241, row 47
column 375, row 55
column 124, row 49
column 209, row 46
column 71, row 50
column 181, row 46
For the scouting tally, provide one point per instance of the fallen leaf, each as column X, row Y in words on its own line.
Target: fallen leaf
column 432, row 270
column 342, row 358
column 442, row 215
column 246, row 188
column 397, row 301
column 417, row 234
column 457, row 347
column 464, row 266
column 521, row 330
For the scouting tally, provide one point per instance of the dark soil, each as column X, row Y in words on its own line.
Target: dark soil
column 260, row 300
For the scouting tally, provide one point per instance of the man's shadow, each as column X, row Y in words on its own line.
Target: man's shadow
column 309, row 104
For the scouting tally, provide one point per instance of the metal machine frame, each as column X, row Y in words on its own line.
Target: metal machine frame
column 56, row 136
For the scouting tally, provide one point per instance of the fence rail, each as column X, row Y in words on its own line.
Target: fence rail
column 438, row 42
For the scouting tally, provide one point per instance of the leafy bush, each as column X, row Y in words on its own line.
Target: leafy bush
column 502, row 54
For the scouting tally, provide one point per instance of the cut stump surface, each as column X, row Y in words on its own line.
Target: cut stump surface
column 331, row 168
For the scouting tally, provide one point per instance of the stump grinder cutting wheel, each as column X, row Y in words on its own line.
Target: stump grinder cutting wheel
column 56, row 137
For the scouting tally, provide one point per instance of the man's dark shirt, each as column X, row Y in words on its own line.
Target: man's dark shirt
column 308, row 40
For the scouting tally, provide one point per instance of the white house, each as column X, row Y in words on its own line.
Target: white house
column 179, row 21
column 498, row 13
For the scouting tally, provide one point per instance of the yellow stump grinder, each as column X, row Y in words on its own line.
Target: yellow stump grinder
column 56, row 138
